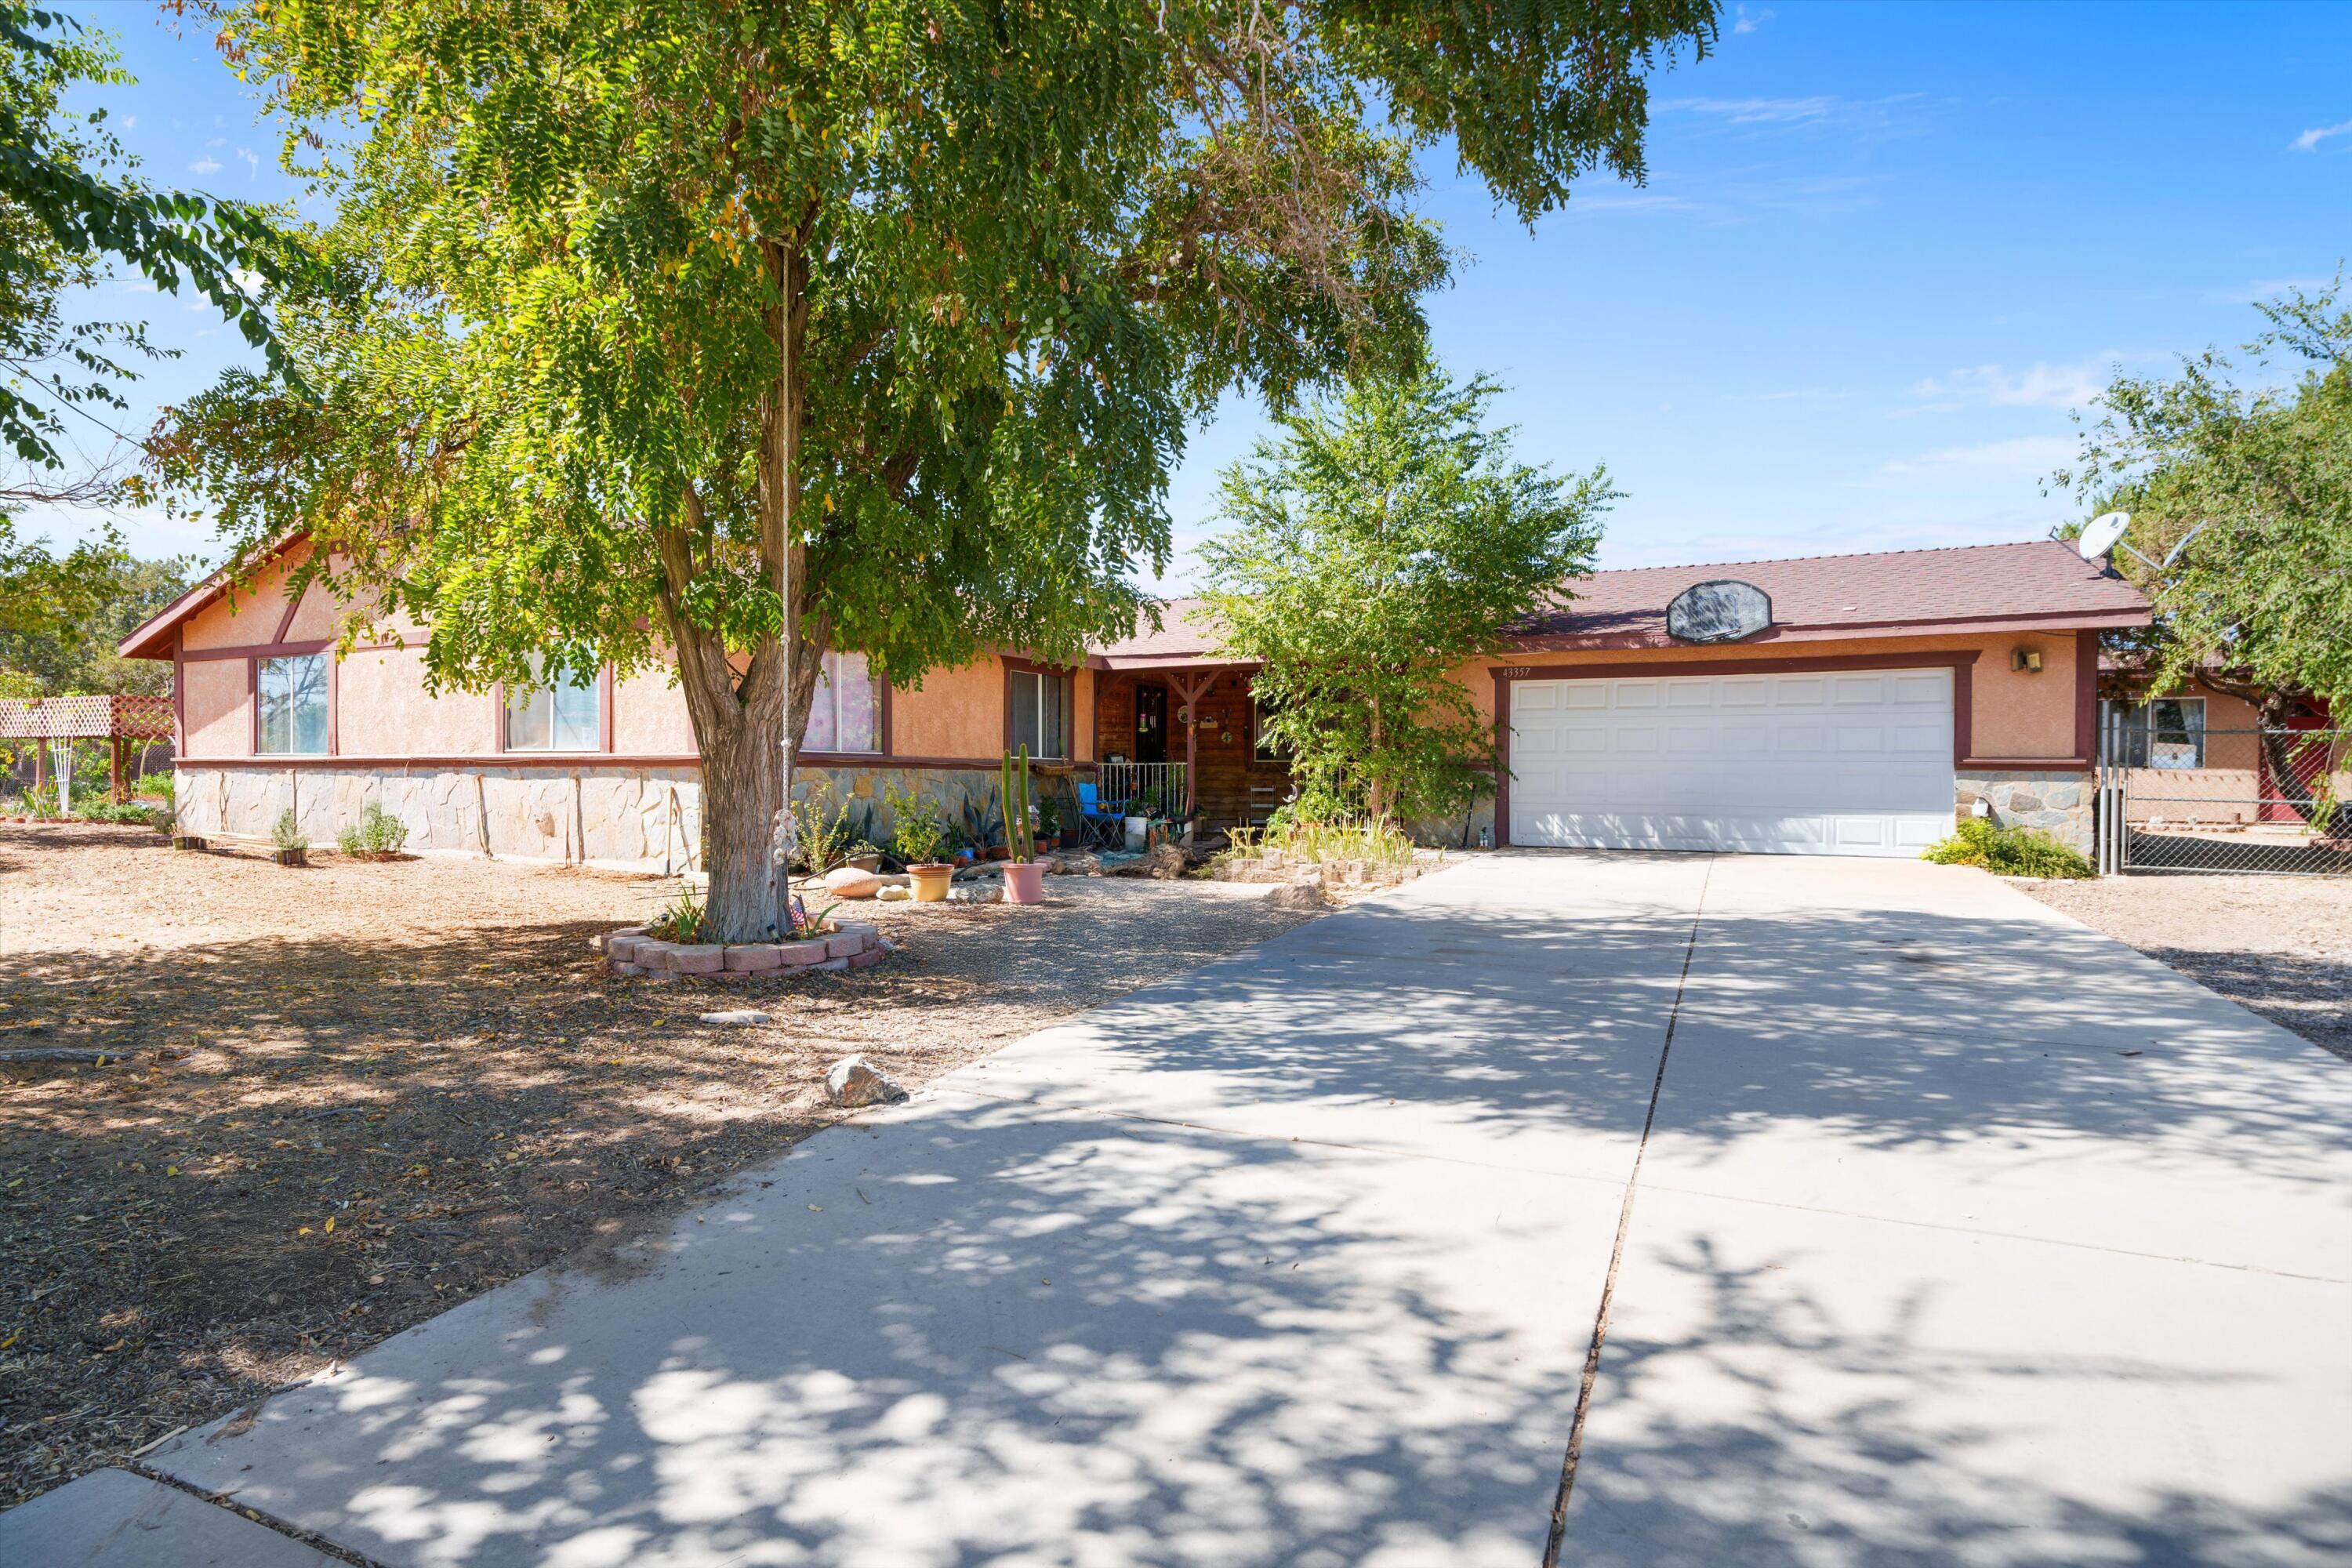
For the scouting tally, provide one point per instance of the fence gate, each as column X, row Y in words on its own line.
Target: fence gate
column 2176, row 796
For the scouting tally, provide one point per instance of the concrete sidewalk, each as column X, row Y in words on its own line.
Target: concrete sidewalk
column 1960, row 1233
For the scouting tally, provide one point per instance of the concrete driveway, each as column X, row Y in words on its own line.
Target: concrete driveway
column 1922, row 1224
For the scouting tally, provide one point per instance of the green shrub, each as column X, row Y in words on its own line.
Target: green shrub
column 2008, row 851
column 138, row 813
column 917, row 834
column 680, row 920
column 286, row 833
column 379, row 833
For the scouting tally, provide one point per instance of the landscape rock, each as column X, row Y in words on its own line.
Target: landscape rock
column 985, row 892
column 895, row 895
column 1295, row 896
column 855, row 1081
column 740, row 1017
column 852, row 882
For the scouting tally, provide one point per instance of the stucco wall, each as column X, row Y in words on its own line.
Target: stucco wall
column 383, row 711
column 954, row 713
column 217, row 707
column 649, row 717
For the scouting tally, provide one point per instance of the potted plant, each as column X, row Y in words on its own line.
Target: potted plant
column 1138, row 819
column 918, row 836
column 286, row 834
column 1024, row 874
column 1049, row 825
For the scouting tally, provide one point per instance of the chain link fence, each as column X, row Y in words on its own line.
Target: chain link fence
column 2177, row 797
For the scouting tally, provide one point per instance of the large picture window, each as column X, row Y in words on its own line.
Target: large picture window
column 846, row 714
column 2169, row 732
column 1041, row 712
column 292, row 693
column 559, row 717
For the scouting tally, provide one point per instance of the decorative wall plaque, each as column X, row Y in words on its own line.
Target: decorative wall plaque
column 1724, row 610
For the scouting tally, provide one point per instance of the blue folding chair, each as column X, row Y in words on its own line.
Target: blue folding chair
column 1099, row 827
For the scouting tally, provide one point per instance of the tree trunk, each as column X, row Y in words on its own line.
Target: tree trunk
column 742, row 776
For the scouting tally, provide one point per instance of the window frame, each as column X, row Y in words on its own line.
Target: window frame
column 324, row 691
column 827, row 684
column 2141, row 735
column 598, row 691
column 1065, row 680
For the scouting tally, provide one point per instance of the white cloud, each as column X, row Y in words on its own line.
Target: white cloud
column 126, row 121
column 1746, row 21
column 1759, row 111
column 2020, row 457
column 252, row 162
column 2310, row 139
column 205, row 166
column 217, row 141
column 2039, row 386
column 247, row 278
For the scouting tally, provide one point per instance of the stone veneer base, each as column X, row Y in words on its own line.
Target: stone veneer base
column 2059, row 804
column 846, row 944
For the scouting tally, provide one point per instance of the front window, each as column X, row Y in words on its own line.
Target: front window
column 847, row 714
column 2169, row 732
column 558, row 717
column 293, row 696
column 1041, row 712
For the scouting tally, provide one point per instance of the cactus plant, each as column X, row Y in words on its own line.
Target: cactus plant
column 1020, row 835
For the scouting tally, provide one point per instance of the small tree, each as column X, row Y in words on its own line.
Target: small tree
column 2259, row 602
column 1381, row 542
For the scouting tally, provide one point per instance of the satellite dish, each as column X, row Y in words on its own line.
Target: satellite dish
column 1724, row 610
column 2102, row 534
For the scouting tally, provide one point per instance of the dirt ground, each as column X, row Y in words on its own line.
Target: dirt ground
column 353, row 1095
column 2279, row 945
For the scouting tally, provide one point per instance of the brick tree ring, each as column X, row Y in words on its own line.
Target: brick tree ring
column 845, row 944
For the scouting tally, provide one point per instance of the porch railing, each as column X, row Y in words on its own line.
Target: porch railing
column 1127, row 784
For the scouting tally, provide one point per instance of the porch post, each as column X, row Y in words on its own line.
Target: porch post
column 1191, row 690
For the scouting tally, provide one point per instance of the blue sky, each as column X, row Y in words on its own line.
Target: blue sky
column 1882, row 252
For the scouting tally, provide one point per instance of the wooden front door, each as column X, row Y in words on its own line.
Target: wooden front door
column 1151, row 723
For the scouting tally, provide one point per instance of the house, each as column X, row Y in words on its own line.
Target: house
column 2202, row 755
column 1843, row 705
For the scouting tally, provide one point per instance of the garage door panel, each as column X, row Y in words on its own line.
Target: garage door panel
column 1855, row 764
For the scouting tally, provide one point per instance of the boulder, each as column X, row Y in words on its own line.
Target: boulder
column 855, row 1081
column 895, row 895
column 977, row 892
column 852, row 882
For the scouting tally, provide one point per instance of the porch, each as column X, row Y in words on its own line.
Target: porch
column 1169, row 729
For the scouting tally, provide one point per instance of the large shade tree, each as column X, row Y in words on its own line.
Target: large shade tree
column 725, row 332
column 2240, row 498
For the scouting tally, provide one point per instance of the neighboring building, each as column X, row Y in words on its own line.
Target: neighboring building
column 2201, row 754
column 1881, row 694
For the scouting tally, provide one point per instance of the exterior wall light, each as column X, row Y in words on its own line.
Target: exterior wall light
column 2026, row 660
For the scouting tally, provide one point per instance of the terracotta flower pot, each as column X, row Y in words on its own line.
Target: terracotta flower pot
column 1024, row 881
column 930, row 882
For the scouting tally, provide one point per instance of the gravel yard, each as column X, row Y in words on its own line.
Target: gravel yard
column 353, row 1095
column 2279, row 945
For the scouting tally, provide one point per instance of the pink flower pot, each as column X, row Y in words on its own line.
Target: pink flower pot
column 1024, row 881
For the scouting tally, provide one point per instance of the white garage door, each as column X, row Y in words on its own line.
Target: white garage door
column 1856, row 763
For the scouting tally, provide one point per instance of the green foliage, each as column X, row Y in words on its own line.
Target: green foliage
column 917, row 832
column 2008, row 851
column 1382, row 541
column 64, row 212
column 286, row 833
column 61, row 616
column 824, row 835
column 1020, row 833
column 681, row 920
column 377, row 833
column 2263, row 473
column 615, row 288
column 132, row 812
column 1307, row 837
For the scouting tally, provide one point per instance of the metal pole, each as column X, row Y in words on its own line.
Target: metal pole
column 785, row 835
